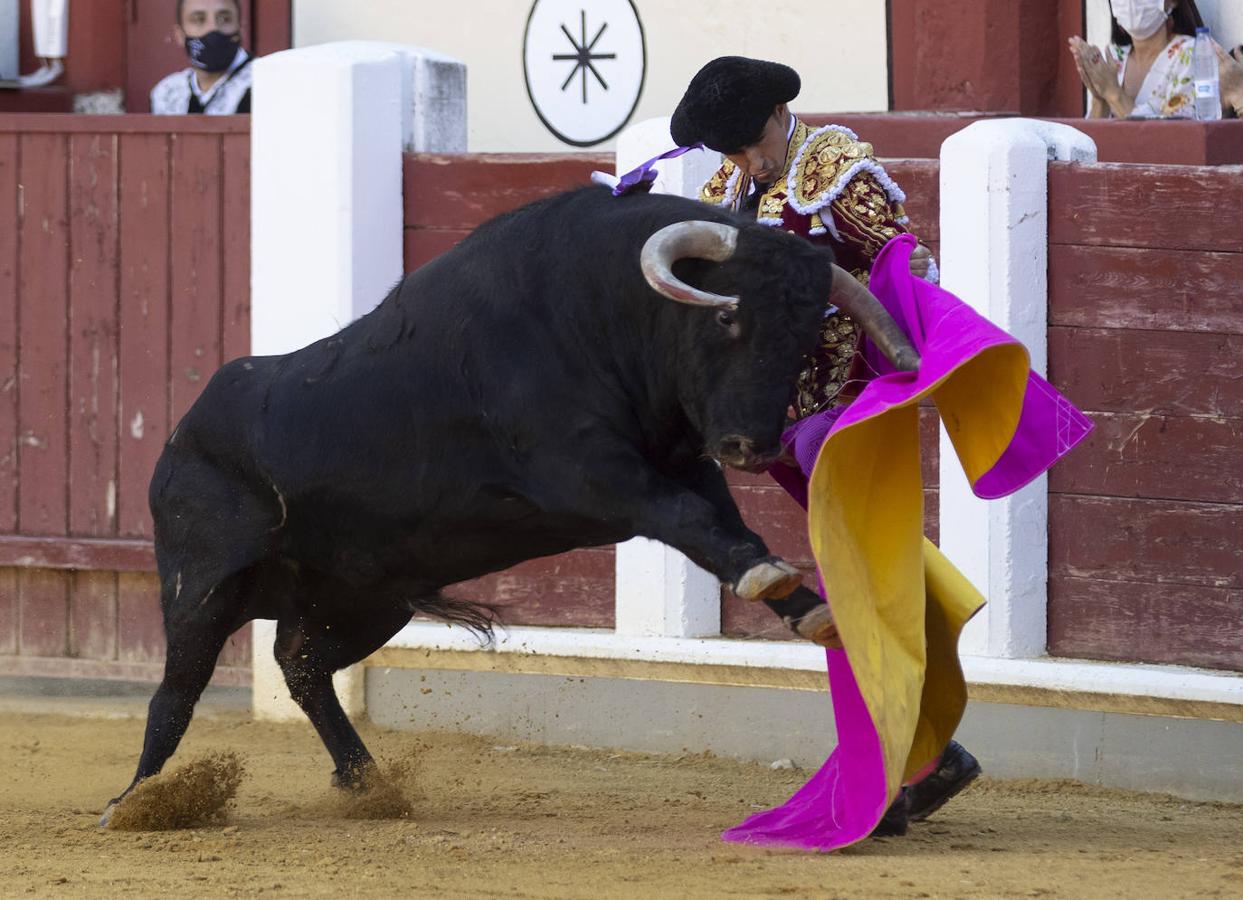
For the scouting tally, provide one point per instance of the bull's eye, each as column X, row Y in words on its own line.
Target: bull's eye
column 726, row 320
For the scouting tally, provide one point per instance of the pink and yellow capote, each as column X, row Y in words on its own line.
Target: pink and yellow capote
column 899, row 605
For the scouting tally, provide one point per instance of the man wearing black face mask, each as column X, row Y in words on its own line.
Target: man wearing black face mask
column 218, row 80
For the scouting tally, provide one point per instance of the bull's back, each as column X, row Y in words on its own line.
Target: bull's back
column 415, row 419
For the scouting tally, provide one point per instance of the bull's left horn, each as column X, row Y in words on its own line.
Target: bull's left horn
column 862, row 306
column 681, row 240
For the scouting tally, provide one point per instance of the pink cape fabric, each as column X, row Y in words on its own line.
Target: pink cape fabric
column 846, row 798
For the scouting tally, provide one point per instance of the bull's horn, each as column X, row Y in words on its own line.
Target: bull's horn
column 681, row 240
column 862, row 306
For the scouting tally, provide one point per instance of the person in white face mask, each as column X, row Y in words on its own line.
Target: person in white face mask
column 1146, row 71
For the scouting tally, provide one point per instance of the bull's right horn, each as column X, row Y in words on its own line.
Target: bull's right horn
column 682, row 240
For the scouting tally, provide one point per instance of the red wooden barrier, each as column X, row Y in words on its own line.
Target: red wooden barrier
column 1184, row 142
column 1146, row 325
column 446, row 197
column 124, row 243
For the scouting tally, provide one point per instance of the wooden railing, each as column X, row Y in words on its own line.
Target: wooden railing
column 1145, row 333
column 125, row 268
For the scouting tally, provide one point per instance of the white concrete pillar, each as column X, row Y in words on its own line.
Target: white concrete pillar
column 328, row 129
column 433, row 96
column 436, row 106
column 659, row 592
column 994, row 255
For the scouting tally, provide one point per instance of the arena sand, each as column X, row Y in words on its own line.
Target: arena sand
column 530, row 821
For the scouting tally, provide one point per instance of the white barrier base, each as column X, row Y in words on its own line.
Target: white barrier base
column 1171, row 683
column 270, row 700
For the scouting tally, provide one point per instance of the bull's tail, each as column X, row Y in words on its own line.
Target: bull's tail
column 480, row 618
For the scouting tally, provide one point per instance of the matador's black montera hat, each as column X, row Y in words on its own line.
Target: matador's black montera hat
column 729, row 100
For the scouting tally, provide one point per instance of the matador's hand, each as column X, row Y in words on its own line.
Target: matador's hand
column 921, row 261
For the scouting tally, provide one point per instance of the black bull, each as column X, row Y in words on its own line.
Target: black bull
column 527, row 393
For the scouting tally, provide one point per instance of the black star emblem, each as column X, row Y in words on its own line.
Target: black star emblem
column 583, row 56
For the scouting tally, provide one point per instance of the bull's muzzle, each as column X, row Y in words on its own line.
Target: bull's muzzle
column 739, row 452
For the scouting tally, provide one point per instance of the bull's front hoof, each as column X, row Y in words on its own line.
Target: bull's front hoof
column 818, row 627
column 769, row 580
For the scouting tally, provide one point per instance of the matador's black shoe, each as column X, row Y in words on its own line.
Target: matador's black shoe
column 955, row 771
column 893, row 822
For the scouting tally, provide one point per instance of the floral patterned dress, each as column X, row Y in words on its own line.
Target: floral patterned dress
column 1168, row 91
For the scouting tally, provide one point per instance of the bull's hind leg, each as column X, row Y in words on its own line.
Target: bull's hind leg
column 209, row 531
column 309, row 648
column 197, row 624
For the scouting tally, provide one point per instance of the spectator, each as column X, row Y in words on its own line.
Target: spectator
column 218, row 80
column 1146, row 70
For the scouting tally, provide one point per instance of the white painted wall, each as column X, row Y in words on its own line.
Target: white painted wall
column 839, row 48
column 1225, row 17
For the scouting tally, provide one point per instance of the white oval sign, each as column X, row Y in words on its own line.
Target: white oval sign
column 584, row 62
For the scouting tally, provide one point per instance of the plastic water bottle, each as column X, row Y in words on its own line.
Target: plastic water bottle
column 1208, row 84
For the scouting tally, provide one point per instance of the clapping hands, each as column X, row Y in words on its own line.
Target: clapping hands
column 1099, row 74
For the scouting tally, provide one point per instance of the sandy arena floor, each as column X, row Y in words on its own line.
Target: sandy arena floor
column 531, row 821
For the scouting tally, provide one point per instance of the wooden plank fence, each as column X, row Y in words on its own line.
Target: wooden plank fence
column 124, row 247
column 1146, row 327
column 124, row 243
column 446, row 197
